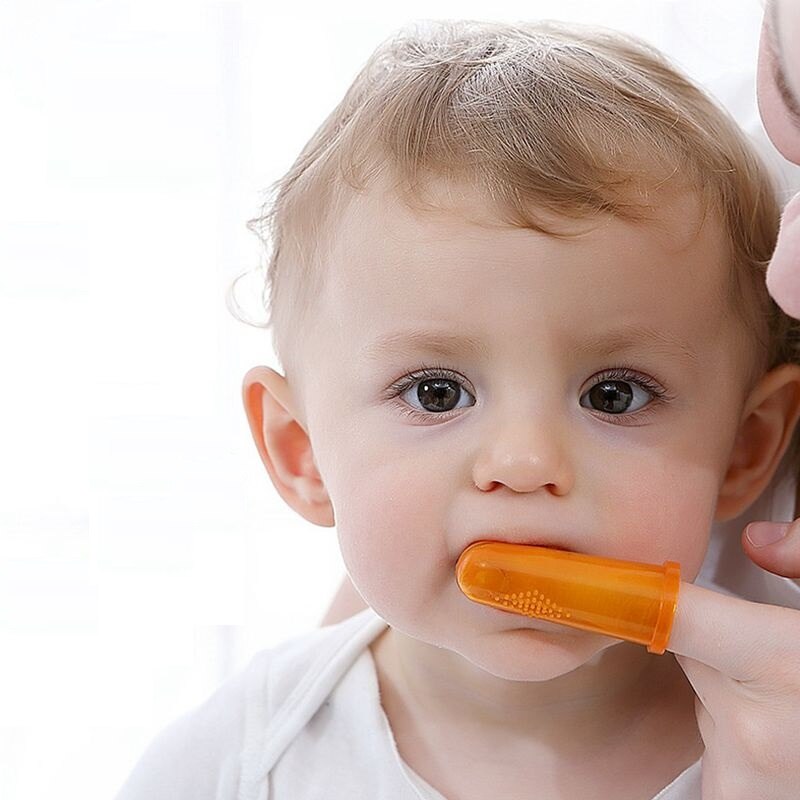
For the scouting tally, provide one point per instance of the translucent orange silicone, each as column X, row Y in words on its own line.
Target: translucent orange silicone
column 625, row 599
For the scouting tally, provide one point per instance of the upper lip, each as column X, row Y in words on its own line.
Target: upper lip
column 523, row 536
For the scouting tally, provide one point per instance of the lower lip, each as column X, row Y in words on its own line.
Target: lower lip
column 534, row 624
column 533, row 633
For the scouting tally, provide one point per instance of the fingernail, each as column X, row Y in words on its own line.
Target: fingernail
column 761, row 534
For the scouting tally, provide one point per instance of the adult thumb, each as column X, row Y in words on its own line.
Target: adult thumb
column 774, row 546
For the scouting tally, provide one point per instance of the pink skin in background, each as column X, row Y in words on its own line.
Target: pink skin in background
column 776, row 54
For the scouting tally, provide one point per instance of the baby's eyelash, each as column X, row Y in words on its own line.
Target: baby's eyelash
column 627, row 374
column 620, row 373
column 429, row 372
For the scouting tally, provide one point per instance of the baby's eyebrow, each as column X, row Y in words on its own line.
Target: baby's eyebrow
column 411, row 342
column 637, row 336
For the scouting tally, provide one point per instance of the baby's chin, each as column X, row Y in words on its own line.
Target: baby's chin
column 509, row 646
column 507, row 649
column 524, row 654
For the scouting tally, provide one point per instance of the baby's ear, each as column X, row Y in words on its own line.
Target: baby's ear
column 765, row 431
column 284, row 444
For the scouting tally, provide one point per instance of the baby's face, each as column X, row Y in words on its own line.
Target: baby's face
column 538, row 434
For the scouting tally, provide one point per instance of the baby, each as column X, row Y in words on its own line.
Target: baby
column 517, row 291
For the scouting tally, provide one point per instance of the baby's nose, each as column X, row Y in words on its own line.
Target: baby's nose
column 524, row 455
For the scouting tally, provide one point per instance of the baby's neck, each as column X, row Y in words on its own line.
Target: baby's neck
column 455, row 744
column 606, row 694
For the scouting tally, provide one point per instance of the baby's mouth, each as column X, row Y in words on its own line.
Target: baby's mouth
column 625, row 599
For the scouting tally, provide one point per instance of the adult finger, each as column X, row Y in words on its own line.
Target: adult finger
column 774, row 546
column 739, row 638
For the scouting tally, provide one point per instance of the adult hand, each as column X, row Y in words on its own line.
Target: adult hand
column 775, row 547
column 743, row 661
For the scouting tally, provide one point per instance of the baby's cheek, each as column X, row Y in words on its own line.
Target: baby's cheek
column 666, row 516
column 391, row 537
column 686, row 527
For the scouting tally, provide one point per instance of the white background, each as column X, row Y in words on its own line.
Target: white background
column 144, row 553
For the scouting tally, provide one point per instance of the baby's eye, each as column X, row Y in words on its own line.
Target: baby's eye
column 614, row 392
column 433, row 392
column 436, row 393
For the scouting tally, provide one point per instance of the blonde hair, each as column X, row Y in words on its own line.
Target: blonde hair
column 567, row 119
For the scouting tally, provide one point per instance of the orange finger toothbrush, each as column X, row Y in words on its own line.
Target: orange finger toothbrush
column 625, row 599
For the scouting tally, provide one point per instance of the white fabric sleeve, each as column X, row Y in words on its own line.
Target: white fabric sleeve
column 198, row 755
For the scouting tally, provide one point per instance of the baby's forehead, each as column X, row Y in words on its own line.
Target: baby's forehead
column 385, row 222
column 525, row 298
column 390, row 263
